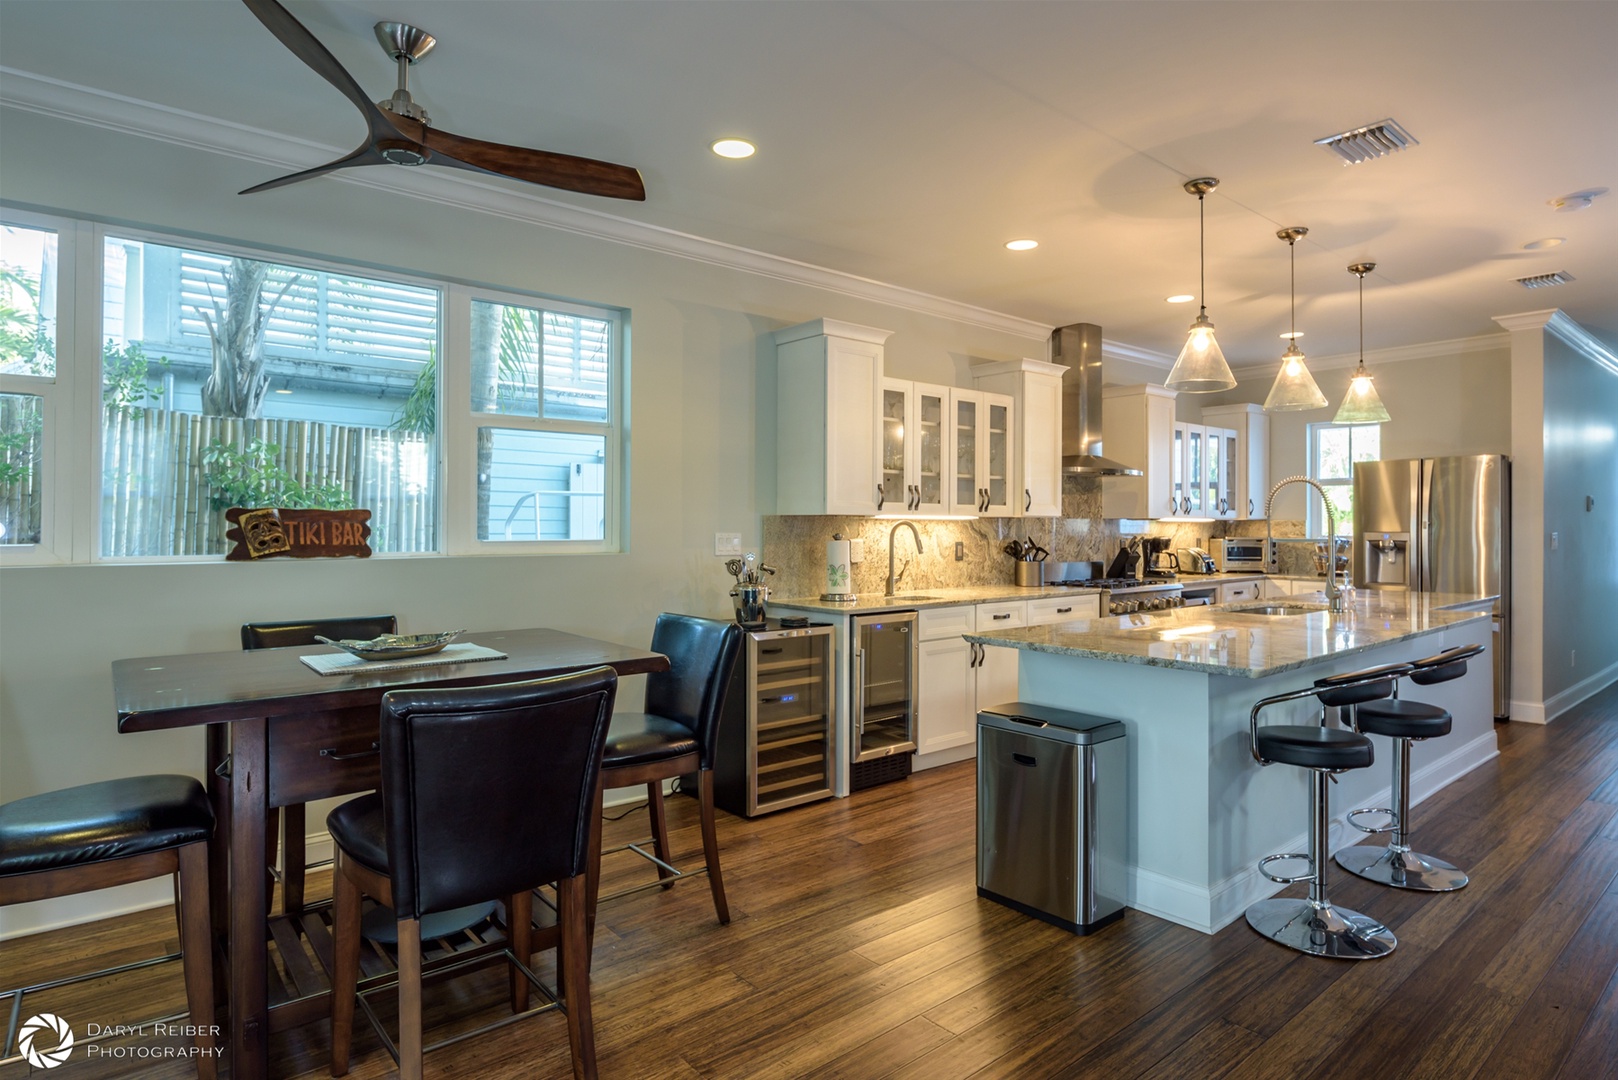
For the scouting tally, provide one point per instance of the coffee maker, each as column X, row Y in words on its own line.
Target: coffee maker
column 1160, row 561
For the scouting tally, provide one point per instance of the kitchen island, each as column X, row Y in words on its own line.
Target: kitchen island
column 1201, row 810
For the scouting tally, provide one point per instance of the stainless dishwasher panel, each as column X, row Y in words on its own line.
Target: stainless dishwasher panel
column 1051, row 814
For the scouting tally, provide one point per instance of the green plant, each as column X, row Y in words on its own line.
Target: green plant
column 419, row 413
column 25, row 341
column 125, row 375
column 250, row 476
column 19, row 445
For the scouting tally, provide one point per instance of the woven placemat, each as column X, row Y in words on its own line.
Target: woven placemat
column 341, row 663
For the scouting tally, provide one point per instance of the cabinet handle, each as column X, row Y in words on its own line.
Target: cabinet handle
column 879, row 498
column 1249, row 507
column 772, row 652
column 1007, row 615
column 1027, row 500
column 1224, row 506
column 985, row 504
column 916, row 505
column 331, row 754
column 1063, row 610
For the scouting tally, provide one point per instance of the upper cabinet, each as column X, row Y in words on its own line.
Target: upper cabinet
column 1249, row 454
column 913, row 441
column 1138, row 430
column 1203, row 466
column 1035, row 390
column 828, row 435
column 981, row 429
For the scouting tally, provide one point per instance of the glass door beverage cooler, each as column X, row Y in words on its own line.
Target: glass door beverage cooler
column 776, row 737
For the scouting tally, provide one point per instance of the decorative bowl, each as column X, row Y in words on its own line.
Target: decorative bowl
column 395, row 646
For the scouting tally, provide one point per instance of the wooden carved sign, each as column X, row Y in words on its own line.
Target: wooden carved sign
column 301, row 534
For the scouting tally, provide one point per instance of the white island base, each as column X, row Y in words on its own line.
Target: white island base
column 1202, row 812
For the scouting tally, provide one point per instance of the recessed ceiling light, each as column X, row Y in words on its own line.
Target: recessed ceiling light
column 734, row 148
column 1292, row 334
column 1544, row 242
column 1180, row 298
column 1021, row 245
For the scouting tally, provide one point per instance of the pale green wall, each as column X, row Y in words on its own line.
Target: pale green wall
column 698, row 332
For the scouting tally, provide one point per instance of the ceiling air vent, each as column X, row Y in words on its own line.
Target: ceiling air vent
column 1545, row 281
column 1371, row 141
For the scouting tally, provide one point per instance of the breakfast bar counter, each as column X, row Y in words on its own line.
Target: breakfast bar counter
column 1201, row 810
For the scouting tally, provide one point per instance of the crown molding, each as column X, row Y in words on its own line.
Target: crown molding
column 86, row 105
column 1395, row 354
column 1118, row 350
column 1560, row 323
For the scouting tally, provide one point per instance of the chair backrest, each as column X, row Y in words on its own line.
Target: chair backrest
column 1447, row 665
column 279, row 635
column 1362, row 686
column 702, row 653
column 490, row 790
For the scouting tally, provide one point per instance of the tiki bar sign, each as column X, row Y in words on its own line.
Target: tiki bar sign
column 301, row 534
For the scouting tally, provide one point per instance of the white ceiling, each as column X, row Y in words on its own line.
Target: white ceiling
column 907, row 141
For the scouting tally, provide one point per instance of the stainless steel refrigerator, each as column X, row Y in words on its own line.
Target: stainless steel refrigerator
column 1440, row 525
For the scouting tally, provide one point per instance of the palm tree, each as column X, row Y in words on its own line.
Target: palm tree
column 237, row 383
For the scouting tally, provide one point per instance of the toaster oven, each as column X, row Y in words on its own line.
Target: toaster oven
column 1239, row 553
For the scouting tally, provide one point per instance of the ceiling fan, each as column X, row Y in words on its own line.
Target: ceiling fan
column 401, row 133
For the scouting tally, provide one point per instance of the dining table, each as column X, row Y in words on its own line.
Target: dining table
column 280, row 734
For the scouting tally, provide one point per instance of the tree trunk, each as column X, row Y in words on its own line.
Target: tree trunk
column 485, row 342
column 237, row 383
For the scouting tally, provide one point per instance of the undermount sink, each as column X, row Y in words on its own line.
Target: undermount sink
column 1278, row 609
column 908, row 598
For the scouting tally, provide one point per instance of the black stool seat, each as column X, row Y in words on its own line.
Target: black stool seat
column 638, row 738
column 1314, row 747
column 108, row 820
column 358, row 828
column 1402, row 718
column 1334, row 694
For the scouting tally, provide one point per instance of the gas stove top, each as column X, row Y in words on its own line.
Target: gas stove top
column 1123, row 596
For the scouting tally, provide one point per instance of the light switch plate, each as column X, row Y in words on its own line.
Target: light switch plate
column 727, row 543
column 856, row 549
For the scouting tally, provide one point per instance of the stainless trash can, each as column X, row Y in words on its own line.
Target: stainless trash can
column 1051, row 811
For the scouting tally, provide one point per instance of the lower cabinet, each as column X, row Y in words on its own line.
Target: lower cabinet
column 1055, row 609
column 956, row 675
column 1245, row 590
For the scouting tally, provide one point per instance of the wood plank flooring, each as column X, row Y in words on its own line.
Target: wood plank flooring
column 859, row 950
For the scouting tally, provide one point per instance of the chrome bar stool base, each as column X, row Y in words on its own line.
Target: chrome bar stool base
column 1321, row 929
column 1402, row 869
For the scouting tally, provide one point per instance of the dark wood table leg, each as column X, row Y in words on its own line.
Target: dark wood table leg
column 218, row 752
column 249, row 903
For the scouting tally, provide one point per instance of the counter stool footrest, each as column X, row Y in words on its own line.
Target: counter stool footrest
column 1392, row 824
column 1291, row 855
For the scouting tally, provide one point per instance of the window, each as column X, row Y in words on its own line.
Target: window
column 544, row 409
column 216, row 378
column 1333, row 449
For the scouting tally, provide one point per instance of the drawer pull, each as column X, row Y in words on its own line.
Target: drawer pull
column 772, row 652
column 1007, row 615
column 331, row 753
column 1064, row 610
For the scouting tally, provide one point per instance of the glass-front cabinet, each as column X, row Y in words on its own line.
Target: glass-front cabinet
column 982, row 435
column 913, row 441
column 1203, row 468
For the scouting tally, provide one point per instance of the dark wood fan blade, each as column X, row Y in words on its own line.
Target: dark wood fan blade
column 365, row 155
column 306, row 47
column 535, row 166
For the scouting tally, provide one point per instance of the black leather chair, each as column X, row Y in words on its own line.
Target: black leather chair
column 111, row 833
column 1314, row 925
column 675, row 736
column 487, row 792
column 292, row 820
column 1404, row 722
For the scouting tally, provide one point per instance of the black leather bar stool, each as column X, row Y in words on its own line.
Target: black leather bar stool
column 1313, row 924
column 95, row 836
column 290, row 823
column 1405, row 721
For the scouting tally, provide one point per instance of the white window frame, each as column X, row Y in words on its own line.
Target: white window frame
column 70, row 403
column 1315, row 516
column 460, row 426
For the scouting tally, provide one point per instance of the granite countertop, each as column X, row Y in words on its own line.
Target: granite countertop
column 925, row 598
column 1226, row 640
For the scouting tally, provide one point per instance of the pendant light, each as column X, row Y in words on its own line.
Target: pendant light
column 1200, row 367
column 1294, row 388
column 1360, row 404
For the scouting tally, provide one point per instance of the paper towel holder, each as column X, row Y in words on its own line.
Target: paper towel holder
column 839, row 575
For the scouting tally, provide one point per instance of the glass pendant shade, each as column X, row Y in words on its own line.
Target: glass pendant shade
column 1361, row 405
column 1294, row 389
column 1200, row 368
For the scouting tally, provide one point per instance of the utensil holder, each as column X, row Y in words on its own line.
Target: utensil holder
column 1030, row 575
column 750, row 603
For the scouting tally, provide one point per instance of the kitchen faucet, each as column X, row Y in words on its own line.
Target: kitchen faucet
column 1334, row 594
column 892, row 536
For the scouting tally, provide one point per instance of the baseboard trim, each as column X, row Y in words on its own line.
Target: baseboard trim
column 1573, row 696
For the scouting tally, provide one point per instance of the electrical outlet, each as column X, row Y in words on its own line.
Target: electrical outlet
column 727, row 543
column 960, row 551
column 1556, row 540
column 856, row 550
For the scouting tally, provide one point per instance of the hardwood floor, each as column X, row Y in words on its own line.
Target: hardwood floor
column 860, row 950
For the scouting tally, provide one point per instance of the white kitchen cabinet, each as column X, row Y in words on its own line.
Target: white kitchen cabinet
column 955, row 677
column 913, row 442
column 1251, row 454
column 828, row 438
column 1202, row 470
column 1270, row 588
column 1055, row 609
column 1243, row 590
column 981, row 438
column 1138, row 430
column 1035, row 390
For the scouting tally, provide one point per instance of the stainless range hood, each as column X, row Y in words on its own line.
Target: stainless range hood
column 1078, row 348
